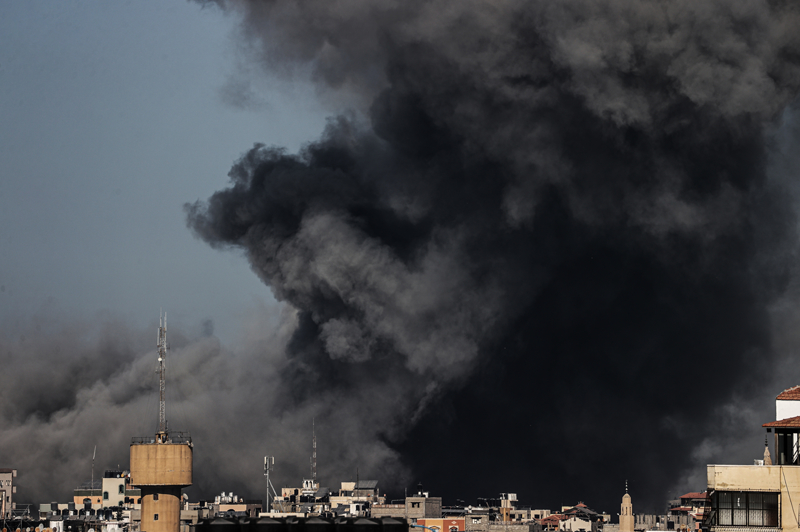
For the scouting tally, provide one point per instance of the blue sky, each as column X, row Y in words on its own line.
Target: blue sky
column 112, row 115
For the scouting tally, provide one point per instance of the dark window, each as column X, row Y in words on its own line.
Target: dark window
column 105, row 495
column 121, row 488
column 155, row 496
column 744, row 508
column 155, row 517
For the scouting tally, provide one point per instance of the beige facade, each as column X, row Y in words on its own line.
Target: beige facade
column 161, row 470
column 113, row 491
column 161, row 464
column 7, row 491
column 776, row 490
column 626, row 514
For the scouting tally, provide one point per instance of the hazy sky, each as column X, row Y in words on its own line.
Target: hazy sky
column 112, row 116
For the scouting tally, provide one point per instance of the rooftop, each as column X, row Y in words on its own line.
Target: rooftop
column 694, row 495
column 790, row 394
column 792, row 422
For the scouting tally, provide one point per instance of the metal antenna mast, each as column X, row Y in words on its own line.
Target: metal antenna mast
column 313, row 451
column 162, row 377
column 269, row 465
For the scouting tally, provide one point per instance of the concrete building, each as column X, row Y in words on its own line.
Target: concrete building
column 761, row 497
column 113, row 488
column 423, row 506
column 444, row 525
column 7, row 491
column 357, row 498
column 418, row 506
column 309, row 500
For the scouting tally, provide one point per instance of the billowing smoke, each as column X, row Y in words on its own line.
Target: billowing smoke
column 73, row 385
column 540, row 252
column 543, row 252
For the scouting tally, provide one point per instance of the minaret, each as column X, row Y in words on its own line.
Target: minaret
column 626, row 512
column 161, row 465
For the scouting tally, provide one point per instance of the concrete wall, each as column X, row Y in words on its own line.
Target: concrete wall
column 161, row 464
column 575, row 524
column 423, row 507
column 746, row 478
column 161, row 509
column 388, row 510
column 510, row 528
column 445, row 525
column 786, row 409
column 112, row 487
column 782, row 479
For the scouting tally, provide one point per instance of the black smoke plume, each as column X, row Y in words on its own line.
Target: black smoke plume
column 540, row 253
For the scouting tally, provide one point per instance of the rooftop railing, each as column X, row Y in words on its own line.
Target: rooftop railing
column 173, row 437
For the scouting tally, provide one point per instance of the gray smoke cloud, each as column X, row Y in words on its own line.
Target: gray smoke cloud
column 77, row 384
column 555, row 219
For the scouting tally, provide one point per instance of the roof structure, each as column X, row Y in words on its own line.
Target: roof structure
column 694, row 495
column 340, row 509
column 789, row 423
column 790, row 394
column 581, row 510
column 366, row 484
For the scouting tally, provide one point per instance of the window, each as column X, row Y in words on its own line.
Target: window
column 155, row 496
column 415, row 505
column 155, row 517
column 743, row 508
column 121, row 488
column 105, row 495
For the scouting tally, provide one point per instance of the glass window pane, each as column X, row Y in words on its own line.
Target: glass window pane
column 754, row 518
column 724, row 499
